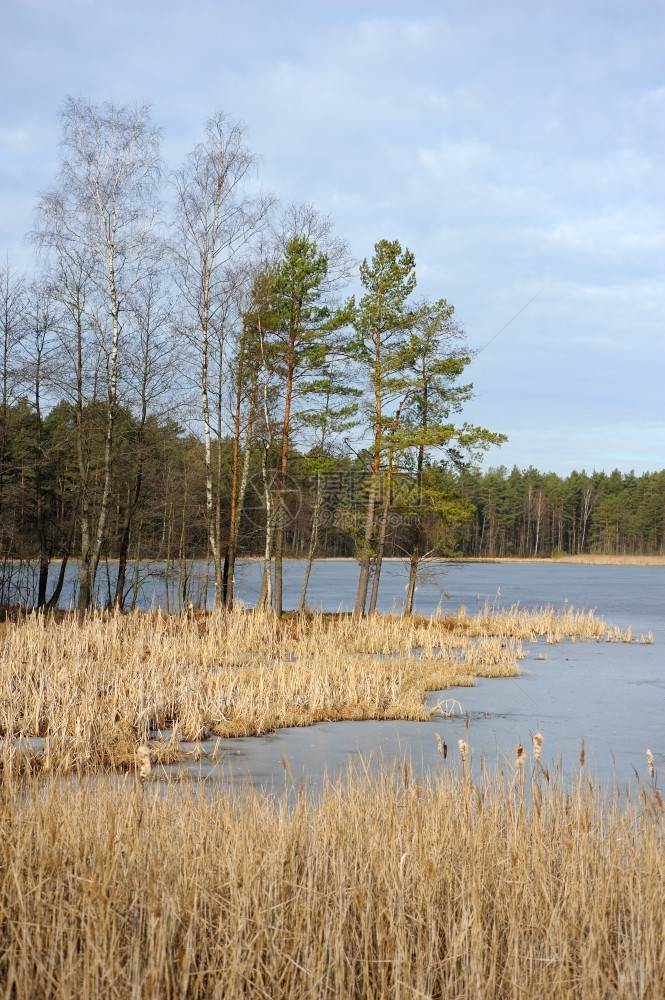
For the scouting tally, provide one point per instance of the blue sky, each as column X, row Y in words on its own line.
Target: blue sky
column 516, row 148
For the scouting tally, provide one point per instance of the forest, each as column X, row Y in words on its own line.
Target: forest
column 185, row 376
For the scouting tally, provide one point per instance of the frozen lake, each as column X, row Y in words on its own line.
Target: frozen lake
column 623, row 595
column 610, row 695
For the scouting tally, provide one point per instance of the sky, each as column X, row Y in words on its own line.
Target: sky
column 518, row 149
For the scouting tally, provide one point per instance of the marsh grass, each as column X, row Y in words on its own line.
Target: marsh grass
column 586, row 559
column 95, row 689
column 382, row 887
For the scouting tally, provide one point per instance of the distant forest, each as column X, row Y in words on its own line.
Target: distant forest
column 185, row 376
column 467, row 512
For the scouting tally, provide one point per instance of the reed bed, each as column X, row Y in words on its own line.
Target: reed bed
column 586, row 559
column 94, row 689
column 547, row 622
column 381, row 887
column 600, row 560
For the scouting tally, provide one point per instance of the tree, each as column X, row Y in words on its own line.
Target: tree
column 149, row 369
column 216, row 215
column 382, row 324
column 336, row 415
column 301, row 329
column 439, row 357
column 245, row 367
column 12, row 330
column 41, row 319
column 98, row 224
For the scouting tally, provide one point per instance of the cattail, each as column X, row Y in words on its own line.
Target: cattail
column 537, row 741
column 143, row 763
column 520, row 756
column 650, row 766
column 441, row 746
column 463, row 749
column 582, row 754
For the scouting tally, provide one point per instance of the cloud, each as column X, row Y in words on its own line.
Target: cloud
column 516, row 148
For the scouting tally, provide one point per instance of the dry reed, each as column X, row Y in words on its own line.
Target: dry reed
column 143, row 765
column 94, row 690
column 537, row 741
column 379, row 888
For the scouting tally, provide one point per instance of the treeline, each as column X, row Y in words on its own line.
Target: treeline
column 527, row 513
column 463, row 512
column 186, row 376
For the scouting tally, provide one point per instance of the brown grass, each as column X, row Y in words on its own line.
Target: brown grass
column 94, row 690
column 595, row 560
column 381, row 888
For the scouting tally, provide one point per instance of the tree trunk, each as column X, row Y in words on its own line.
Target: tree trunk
column 230, row 558
column 280, row 506
column 316, row 517
column 132, row 504
column 383, row 526
column 414, row 562
column 366, row 553
column 266, row 595
column 210, row 504
column 414, row 559
column 234, row 515
column 44, row 553
column 381, row 542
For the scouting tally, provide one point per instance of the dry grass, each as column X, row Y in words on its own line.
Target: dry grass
column 96, row 689
column 601, row 560
column 381, row 888
column 546, row 622
column 594, row 560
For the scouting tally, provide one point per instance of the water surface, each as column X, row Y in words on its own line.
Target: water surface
column 610, row 695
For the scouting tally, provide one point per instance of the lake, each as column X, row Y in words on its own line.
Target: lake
column 610, row 695
column 622, row 595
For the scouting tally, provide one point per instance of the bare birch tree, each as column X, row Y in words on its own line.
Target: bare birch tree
column 217, row 213
column 102, row 213
column 149, row 370
column 39, row 355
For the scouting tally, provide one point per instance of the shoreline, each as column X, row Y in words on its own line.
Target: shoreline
column 590, row 560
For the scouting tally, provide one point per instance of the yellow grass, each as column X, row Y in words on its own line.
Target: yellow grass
column 96, row 689
column 381, row 888
column 615, row 560
column 596, row 560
